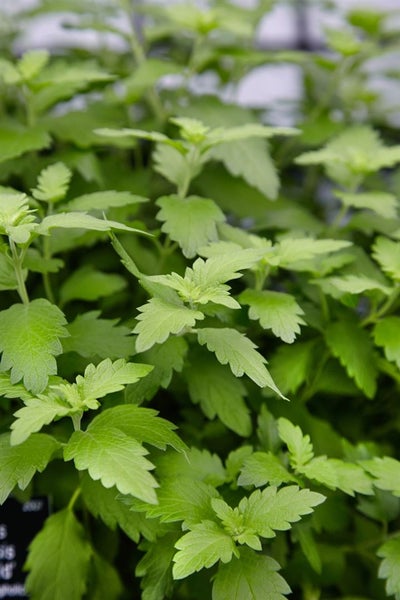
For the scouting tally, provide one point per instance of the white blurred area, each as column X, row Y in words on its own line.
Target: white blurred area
column 278, row 86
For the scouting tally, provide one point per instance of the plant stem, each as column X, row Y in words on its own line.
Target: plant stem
column 18, row 260
column 74, row 498
column 47, row 255
column 76, row 420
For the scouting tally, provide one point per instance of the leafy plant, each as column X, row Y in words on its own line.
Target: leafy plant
column 199, row 312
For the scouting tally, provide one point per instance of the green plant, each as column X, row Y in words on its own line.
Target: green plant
column 243, row 442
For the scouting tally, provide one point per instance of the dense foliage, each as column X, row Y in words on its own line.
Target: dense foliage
column 198, row 319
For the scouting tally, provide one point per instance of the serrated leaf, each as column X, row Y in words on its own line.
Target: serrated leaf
column 191, row 222
column 17, row 220
column 16, row 141
column 386, row 472
column 250, row 577
column 352, row 346
column 173, row 165
column 156, row 568
column 197, row 465
column 235, row 349
column 29, row 340
column 249, row 130
column 381, row 203
column 274, row 509
column 389, row 568
column 114, row 458
column 387, row 253
column 292, row 251
column 104, row 503
column 32, row 62
column 201, row 548
column 20, row 463
column 89, row 284
column 275, row 310
column 53, row 183
column 357, row 284
column 299, row 445
column 90, row 335
column 36, row 413
column 337, row 474
column 180, row 500
column 264, row 467
column 387, row 336
column 80, row 220
column 159, row 319
column 219, row 394
column 104, row 200
column 58, row 559
column 290, row 365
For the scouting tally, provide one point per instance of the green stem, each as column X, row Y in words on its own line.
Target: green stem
column 18, row 260
column 47, row 256
column 386, row 306
column 74, row 498
column 76, row 420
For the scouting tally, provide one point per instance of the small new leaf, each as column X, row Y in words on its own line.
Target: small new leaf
column 386, row 472
column 390, row 566
column 299, row 445
column 387, row 253
column 387, row 335
column 53, row 183
column 58, row 559
column 29, row 340
column 201, row 548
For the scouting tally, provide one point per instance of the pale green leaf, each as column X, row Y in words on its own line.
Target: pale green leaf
column 173, row 165
column 291, row 251
column 140, row 423
column 159, row 319
column 389, row 568
column 264, row 467
column 387, row 253
column 53, row 183
column 219, row 394
column 36, row 413
column 197, row 465
column 90, row 335
column 181, row 499
column 201, row 548
column 80, row 220
column 191, row 222
column 381, row 203
column 20, row 463
column 274, row 509
column 337, row 474
column 12, row 390
column 16, row 219
column 235, row 349
column 146, row 75
column 89, row 284
column 114, row 458
column 32, row 62
column 249, row 130
column 275, row 310
column 386, row 473
column 352, row 346
column 104, row 200
column 104, row 503
column 299, row 445
column 29, row 340
column 250, row 577
column 387, row 336
column 357, row 284
column 58, row 559
column 16, row 141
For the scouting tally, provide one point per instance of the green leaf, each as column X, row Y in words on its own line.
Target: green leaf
column 90, row 336
column 387, row 336
column 304, row 535
column 80, row 220
column 105, row 582
column 16, row 218
column 299, row 445
column 89, row 284
column 264, row 467
column 104, row 200
column 387, row 253
column 337, row 474
column 143, row 424
column 290, row 366
column 20, row 463
column 36, row 413
column 159, row 319
column 235, row 349
column 386, row 472
column 191, row 222
column 381, row 203
column 156, row 568
column 274, row 509
column 219, row 394
column 53, row 183
column 115, row 458
column 29, row 340
column 201, row 548
column 174, row 166
column 104, row 503
column 250, row 577
column 179, row 499
column 357, row 284
column 291, row 252
column 16, row 141
column 58, row 559
column 275, row 310
column 197, row 465
column 249, row 130
column 390, row 566
column 352, row 346
column 32, row 62
column 12, row 390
